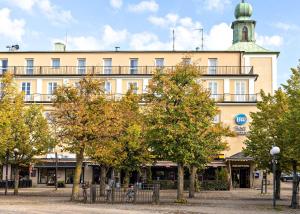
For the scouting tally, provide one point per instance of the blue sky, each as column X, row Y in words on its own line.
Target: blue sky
column 147, row 25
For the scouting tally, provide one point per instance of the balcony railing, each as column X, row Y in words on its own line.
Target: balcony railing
column 219, row 98
column 118, row 70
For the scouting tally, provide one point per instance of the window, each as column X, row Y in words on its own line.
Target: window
column 70, row 172
column 213, row 87
column 107, row 87
column 107, row 69
column 46, row 176
column 186, row 61
column 245, row 34
column 26, row 88
column 77, row 85
column 29, row 66
column 4, row 65
column 159, row 62
column 133, row 66
column 133, row 86
column 52, row 86
column 56, row 63
column 216, row 119
column 240, row 91
column 81, row 66
column 212, row 66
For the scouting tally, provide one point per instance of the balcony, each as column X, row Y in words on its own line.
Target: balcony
column 219, row 98
column 120, row 70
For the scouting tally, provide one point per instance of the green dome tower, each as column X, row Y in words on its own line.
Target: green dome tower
column 244, row 29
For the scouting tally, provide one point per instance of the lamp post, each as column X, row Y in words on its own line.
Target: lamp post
column 6, row 171
column 56, row 170
column 274, row 151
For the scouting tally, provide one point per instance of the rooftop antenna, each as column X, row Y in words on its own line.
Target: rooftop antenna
column 117, row 49
column 202, row 38
column 173, row 33
column 66, row 40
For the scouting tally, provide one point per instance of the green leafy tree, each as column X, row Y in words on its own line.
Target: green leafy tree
column 266, row 130
column 25, row 130
column 179, row 111
column 84, row 118
column 291, row 128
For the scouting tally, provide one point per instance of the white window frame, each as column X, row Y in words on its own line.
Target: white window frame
column 51, row 87
column 213, row 87
column 240, row 90
column 133, row 69
column 52, row 63
column 212, row 65
column 3, row 69
column 107, row 69
column 81, row 69
column 187, row 61
column 29, row 68
column 135, row 90
column 159, row 59
column 107, row 85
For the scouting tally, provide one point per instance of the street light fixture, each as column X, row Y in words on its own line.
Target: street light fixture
column 274, row 151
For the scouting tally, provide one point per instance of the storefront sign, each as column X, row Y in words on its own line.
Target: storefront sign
column 241, row 119
column 240, row 130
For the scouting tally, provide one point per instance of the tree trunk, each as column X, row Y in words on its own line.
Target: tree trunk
column 102, row 180
column 16, row 186
column 278, row 175
column 126, row 179
column 180, row 182
column 193, row 172
column 294, row 203
column 77, row 175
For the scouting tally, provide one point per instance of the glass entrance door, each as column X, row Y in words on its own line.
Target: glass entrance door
column 241, row 177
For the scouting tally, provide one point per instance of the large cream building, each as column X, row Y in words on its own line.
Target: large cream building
column 234, row 76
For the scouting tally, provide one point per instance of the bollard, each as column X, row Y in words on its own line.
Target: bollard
column 93, row 194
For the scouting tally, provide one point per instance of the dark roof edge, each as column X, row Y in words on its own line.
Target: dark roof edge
column 159, row 51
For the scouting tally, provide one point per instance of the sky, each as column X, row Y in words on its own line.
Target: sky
column 148, row 25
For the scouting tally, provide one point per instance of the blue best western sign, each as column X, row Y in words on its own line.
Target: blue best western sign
column 241, row 119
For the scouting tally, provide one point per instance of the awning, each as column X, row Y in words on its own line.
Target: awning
column 239, row 157
column 216, row 164
column 53, row 165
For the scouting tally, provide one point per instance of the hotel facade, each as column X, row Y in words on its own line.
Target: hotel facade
column 234, row 77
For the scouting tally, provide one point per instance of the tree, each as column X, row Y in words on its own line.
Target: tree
column 77, row 114
column 209, row 143
column 266, row 131
column 25, row 129
column 178, row 113
column 291, row 128
column 84, row 118
column 134, row 149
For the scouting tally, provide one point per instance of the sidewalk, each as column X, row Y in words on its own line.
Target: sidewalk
column 245, row 201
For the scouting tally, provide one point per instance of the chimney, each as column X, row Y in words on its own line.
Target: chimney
column 60, row 47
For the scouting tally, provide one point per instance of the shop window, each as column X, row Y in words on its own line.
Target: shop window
column 70, row 175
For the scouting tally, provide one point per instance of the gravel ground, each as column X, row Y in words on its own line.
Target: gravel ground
column 48, row 201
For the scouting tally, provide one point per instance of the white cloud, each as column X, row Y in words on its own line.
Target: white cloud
column 117, row 4
column 144, row 6
column 13, row 29
column 269, row 41
column 53, row 12
column 147, row 41
column 169, row 19
column 219, row 37
column 110, row 38
column 286, row 26
column 24, row 4
column 217, row 5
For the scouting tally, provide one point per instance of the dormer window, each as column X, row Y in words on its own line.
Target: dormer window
column 245, row 34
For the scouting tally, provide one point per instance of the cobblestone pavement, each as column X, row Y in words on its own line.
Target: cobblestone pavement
column 243, row 201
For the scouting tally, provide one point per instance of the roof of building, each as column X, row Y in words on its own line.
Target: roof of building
column 249, row 47
column 240, row 157
column 125, row 51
